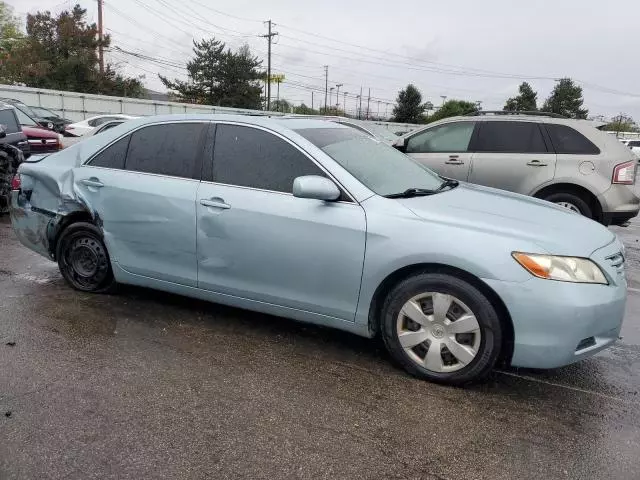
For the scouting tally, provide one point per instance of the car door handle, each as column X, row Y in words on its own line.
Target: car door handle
column 454, row 160
column 215, row 203
column 536, row 163
column 92, row 182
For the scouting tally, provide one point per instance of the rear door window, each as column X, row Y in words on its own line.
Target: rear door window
column 8, row 119
column 450, row 137
column 634, row 143
column 567, row 140
column 510, row 137
column 172, row 149
column 250, row 157
column 113, row 156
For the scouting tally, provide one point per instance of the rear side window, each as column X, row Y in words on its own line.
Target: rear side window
column 569, row 141
column 451, row 137
column 8, row 119
column 112, row 156
column 250, row 157
column 510, row 137
column 634, row 143
column 169, row 149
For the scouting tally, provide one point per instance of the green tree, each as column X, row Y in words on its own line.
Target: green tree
column 621, row 123
column 281, row 105
column 409, row 107
column 61, row 53
column 305, row 110
column 453, row 108
column 566, row 99
column 526, row 100
column 11, row 37
column 220, row 77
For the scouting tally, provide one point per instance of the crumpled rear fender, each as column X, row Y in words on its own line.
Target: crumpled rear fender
column 48, row 200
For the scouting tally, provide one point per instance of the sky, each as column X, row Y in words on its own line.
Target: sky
column 463, row 49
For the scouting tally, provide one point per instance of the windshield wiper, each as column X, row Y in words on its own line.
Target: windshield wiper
column 448, row 182
column 412, row 192
column 423, row 192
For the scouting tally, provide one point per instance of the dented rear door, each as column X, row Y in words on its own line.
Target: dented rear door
column 142, row 192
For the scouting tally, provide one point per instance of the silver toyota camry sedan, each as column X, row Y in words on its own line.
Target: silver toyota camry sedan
column 318, row 222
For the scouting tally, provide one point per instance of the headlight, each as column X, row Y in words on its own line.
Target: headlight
column 564, row 269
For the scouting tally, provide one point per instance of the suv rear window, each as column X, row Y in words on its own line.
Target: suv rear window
column 510, row 137
column 567, row 140
column 8, row 119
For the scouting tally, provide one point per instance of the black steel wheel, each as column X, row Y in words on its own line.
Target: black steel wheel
column 83, row 259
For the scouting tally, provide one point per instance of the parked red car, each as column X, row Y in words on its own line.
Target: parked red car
column 42, row 140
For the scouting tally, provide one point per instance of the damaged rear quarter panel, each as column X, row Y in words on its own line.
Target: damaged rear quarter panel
column 48, row 196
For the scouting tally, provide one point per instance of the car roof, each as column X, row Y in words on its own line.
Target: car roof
column 518, row 118
column 274, row 123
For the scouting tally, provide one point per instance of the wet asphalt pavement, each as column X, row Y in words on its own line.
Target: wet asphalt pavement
column 149, row 385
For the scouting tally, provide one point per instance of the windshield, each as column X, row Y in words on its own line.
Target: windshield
column 381, row 168
column 24, row 119
column 43, row 112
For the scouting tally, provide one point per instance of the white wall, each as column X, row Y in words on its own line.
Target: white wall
column 78, row 106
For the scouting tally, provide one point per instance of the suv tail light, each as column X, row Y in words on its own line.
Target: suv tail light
column 625, row 173
column 15, row 182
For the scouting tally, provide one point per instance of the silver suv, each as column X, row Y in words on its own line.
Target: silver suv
column 564, row 161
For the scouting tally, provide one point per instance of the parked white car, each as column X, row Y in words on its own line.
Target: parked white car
column 86, row 126
column 634, row 145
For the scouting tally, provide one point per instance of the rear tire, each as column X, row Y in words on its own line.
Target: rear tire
column 83, row 259
column 572, row 202
column 419, row 325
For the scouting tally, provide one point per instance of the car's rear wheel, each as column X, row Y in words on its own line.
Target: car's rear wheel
column 571, row 202
column 83, row 259
column 441, row 328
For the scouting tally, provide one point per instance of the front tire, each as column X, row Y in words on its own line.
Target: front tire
column 83, row 259
column 442, row 329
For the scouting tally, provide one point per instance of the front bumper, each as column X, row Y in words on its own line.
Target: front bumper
column 558, row 323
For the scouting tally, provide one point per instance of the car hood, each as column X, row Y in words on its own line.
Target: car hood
column 39, row 132
column 472, row 207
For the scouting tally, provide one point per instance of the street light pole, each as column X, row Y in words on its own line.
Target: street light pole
column 338, row 85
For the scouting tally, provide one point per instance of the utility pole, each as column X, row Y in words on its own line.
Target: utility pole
column 100, row 37
column 269, row 36
column 360, row 107
column 344, row 103
column 330, row 95
column 386, row 111
column 378, row 109
column 311, row 101
column 444, row 99
column 326, row 86
column 338, row 85
column 368, row 102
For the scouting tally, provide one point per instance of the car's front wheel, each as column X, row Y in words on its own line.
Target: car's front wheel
column 441, row 328
column 83, row 259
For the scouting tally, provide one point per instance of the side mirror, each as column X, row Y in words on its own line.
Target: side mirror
column 316, row 187
column 3, row 131
column 401, row 144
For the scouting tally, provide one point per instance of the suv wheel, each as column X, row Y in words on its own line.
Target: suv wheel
column 572, row 202
column 441, row 328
